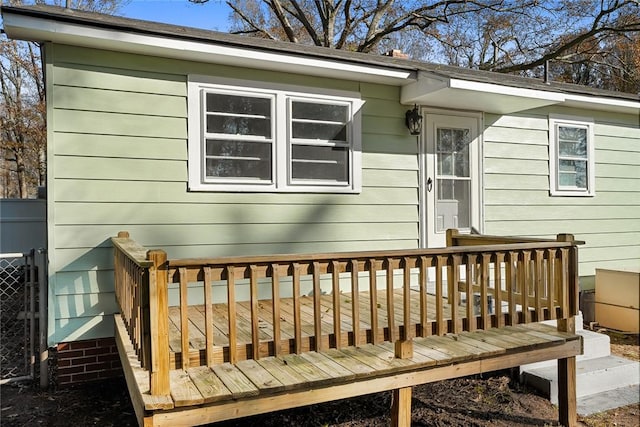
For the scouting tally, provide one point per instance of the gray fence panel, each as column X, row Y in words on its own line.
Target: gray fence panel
column 23, row 225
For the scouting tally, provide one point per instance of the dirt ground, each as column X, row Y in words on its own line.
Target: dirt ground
column 490, row 400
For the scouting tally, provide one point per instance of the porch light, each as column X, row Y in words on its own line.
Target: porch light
column 414, row 120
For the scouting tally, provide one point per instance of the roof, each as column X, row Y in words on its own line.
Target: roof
column 428, row 83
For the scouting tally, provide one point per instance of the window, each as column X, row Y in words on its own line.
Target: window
column 571, row 157
column 244, row 136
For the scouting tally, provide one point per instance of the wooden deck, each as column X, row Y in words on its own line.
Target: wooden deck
column 271, row 353
column 197, row 328
column 251, row 387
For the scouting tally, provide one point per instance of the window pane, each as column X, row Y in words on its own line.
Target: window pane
column 237, row 159
column 572, row 173
column 238, row 105
column 320, row 112
column 238, row 115
column 445, row 164
column 572, row 141
column 319, row 121
column 239, row 125
column 453, row 152
column 321, row 131
column 320, row 163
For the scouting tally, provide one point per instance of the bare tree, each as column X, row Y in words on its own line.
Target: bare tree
column 510, row 36
column 22, row 119
column 359, row 25
column 23, row 132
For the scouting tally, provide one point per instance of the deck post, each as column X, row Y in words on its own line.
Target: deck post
column 159, row 323
column 451, row 235
column 567, row 402
column 401, row 407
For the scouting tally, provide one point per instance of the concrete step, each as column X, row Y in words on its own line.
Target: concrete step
column 592, row 376
column 579, row 319
column 594, row 345
column 609, row 399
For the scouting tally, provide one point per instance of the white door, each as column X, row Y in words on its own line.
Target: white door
column 451, row 187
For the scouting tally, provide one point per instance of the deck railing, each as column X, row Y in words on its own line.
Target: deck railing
column 477, row 282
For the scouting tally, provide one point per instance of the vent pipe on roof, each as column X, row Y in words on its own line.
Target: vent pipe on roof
column 546, row 72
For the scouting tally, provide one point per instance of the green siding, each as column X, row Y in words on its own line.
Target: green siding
column 118, row 127
column 516, row 186
column 118, row 161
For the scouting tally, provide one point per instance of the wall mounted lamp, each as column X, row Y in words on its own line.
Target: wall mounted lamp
column 413, row 120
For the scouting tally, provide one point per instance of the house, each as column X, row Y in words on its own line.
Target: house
column 206, row 143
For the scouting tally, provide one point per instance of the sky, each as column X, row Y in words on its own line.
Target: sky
column 213, row 15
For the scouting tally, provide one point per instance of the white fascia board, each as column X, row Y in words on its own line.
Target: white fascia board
column 49, row 30
column 552, row 97
column 604, row 104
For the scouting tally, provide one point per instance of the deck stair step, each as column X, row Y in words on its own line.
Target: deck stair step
column 596, row 379
column 595, row 345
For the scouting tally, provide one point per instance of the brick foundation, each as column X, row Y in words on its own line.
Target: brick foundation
column 90, row 360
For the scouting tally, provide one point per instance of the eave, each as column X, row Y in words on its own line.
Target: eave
column 420, row 83
column 439, row 91
column 40, row 29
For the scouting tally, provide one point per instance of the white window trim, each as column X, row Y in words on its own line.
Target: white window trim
column 554, row 187
column 280, row 158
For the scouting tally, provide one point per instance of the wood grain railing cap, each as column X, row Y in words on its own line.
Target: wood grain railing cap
column 131, row 249
column 347, row 257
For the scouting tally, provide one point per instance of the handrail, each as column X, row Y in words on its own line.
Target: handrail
column 527, row 281
column 393, row 253
column 141, row 294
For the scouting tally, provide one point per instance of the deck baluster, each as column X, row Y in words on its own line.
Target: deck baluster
column 355, row 302
column 551, row 279
column 275, row 304
column 373, row 299
column 317, row 313
column 231, row 310
column 539, row 284
column 406, row 293
column 523, row 285
column 335, row 276
column 497, row 287
column 453, row 275
column 511, row 280
column 184, row 318
column 208, row 316
column 471, row 318
column 425, row 326
column 253, row 296
column 441, row 326
column 485, row 316
column 391, row 324
column 296, row 309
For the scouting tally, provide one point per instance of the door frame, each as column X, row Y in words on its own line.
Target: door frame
column 422, row 145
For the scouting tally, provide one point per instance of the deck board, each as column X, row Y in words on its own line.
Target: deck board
column 260, row 376
column 271, row 375
column 268, row 375
column 183, row 391
column 287, row 377
column 208, row 384
column 237, row 383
